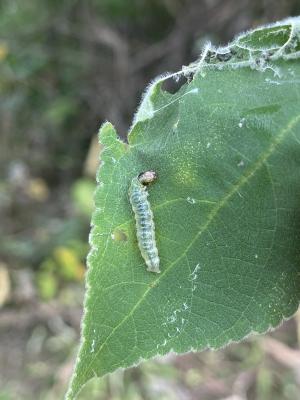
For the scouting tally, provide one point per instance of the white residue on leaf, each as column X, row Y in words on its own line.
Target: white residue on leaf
column 241, row 164
column 291, row 72
column 241, row 123
column 208, row 145
column 256, row 256
column 93, row 346
column 193, row 276
column 176, row 124
column 172, row 318
column 162, row 344
column 190, row 200
column 272, row 82
column 93, row 343
column 193, row 91
column 176, row 321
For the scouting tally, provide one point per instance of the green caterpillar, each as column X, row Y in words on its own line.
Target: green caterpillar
column 145, row 229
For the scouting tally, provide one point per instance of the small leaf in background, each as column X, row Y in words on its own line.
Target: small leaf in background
column 264, row 383
column 226, row 148
column 64, row 264
column 61, row 109
column 92, row 160
column 5, row 286
column 83, row 195
column 69, row 266
column 3, row 51
column 47, row 284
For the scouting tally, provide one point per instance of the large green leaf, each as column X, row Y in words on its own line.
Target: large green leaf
column 226, row 205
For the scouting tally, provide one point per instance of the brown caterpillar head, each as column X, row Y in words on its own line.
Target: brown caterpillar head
column 147, row 177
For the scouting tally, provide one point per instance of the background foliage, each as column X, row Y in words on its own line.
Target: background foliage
column 65, row 67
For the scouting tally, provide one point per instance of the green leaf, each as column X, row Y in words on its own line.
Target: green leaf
column 226, row 148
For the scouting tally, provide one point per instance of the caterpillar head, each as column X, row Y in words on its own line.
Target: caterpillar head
column 147, row 177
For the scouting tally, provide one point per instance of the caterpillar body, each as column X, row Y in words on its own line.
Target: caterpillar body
column 145, row 229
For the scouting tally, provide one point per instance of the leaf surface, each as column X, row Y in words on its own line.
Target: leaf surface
column 226, row 148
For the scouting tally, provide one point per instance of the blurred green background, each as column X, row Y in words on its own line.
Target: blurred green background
column 66, row 67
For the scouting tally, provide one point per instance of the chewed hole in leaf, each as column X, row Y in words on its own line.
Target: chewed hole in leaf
column 172, row 85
